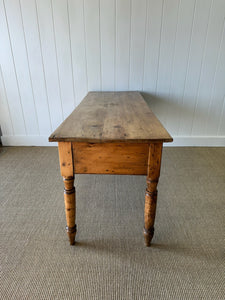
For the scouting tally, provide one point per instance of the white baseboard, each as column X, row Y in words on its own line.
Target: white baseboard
column 179, row 141
column 24, row 140
column 197, row 141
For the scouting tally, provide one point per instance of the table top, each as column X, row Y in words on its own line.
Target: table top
column 111, row 117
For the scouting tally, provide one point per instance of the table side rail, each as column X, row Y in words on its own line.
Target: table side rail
column 110, row 158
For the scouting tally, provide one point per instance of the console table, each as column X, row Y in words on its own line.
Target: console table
column 111, row 133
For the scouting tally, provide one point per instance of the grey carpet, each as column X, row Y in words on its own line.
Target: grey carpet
column 110, row 260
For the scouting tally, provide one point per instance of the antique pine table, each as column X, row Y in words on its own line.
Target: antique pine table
column 111, row 133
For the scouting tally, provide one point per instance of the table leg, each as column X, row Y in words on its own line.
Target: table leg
column 70, row 207
column 153, row 172
column 66, row 168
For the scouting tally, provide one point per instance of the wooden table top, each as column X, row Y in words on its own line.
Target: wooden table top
column 111, row 117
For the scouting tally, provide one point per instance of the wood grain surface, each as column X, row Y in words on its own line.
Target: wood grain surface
column 65, row 159
column 115, row 117
column 110, row 158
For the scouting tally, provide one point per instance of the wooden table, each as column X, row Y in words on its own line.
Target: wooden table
column 111, row 133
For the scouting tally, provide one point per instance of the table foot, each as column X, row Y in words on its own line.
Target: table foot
column 148, row 235
column 71, row 234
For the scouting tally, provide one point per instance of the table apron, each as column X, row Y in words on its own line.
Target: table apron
column 110, row 158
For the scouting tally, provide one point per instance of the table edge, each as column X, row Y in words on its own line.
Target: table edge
column 99, row 141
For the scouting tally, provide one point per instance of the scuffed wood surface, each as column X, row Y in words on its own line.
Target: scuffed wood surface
column 112, row 117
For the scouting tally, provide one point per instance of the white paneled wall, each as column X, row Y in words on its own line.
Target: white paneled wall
column 52, row 52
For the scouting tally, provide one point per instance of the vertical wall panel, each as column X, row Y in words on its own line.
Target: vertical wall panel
column 54, row 51
column 221, row 127
column 77, row 32
column 64, row 55
column 213, row 39
column 42, row 105
column 168, row 36
column 123, row 22
column 180, row 62
column 137, row 46
column 195, row 60
column 6, row 121
column 48, row 61
column 13, row 15
column 9, row 76
column 153, row 35
column 152, row 46
column 107, row 36
column 216, row 112
column 93, row 49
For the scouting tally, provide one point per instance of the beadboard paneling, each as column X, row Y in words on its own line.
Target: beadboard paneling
column 54, row 51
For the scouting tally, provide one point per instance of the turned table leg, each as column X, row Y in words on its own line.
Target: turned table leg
column 70, row 207
column 66, row 168
column 153, row 172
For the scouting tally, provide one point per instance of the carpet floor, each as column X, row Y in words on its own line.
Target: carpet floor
column 109, row 260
